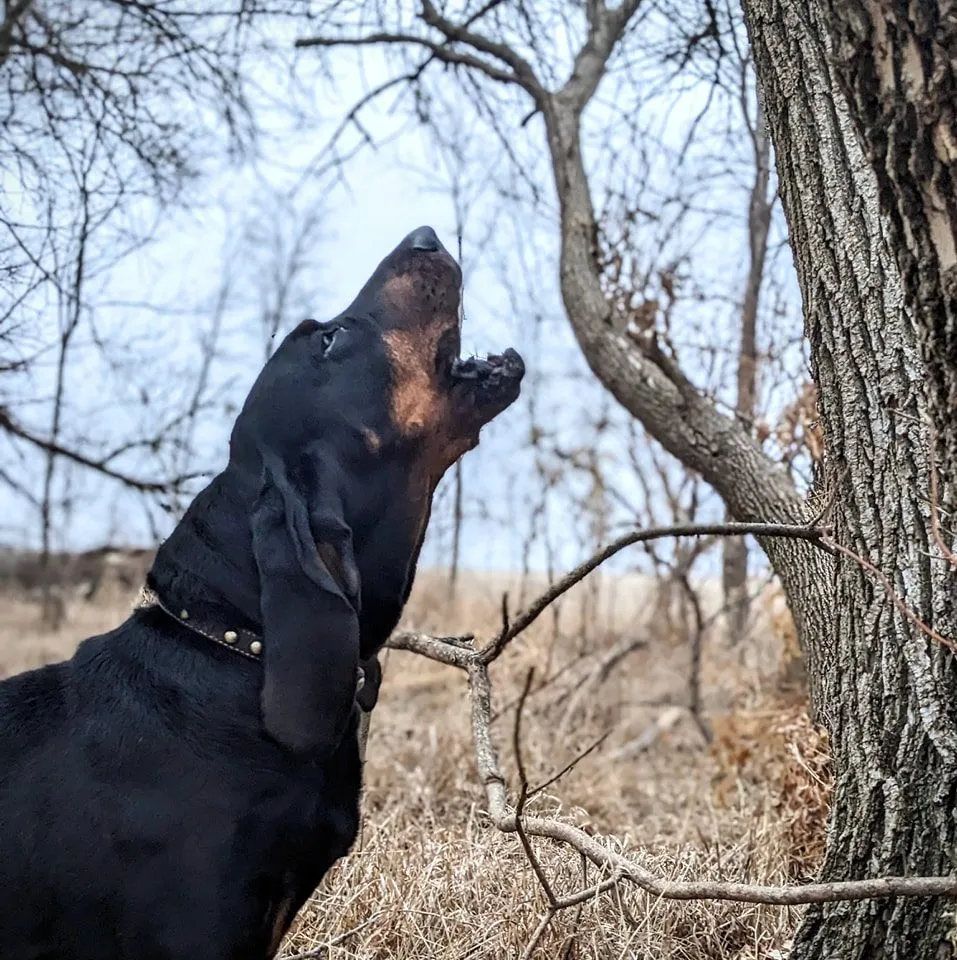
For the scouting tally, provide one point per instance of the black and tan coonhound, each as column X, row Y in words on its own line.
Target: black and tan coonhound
column 179, row 788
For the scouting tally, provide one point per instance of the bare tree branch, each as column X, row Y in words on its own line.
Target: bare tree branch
column 606, row 27
column 626, row 868
column 438, row 50
column 452, row 651
column 521, row 623
column 459, row 652
column 522, row 70
column 99, row 466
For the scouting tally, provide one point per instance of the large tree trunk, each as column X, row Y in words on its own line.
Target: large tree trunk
column 861, row 100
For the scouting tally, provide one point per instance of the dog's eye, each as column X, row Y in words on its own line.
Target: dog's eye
column 327, row 339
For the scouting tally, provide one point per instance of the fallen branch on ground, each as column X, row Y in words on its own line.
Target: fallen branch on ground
column 461, row 653
column 499, row 813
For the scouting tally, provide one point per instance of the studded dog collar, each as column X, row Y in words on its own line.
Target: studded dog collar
column 244, row 642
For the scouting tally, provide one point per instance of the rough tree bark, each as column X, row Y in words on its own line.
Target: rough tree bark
column 861, row 103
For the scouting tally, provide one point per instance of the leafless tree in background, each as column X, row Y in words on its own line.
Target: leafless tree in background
column 112, row 113
column 735, row 569
column 874, row 238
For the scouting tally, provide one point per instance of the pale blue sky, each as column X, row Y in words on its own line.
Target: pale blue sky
column 511, row 298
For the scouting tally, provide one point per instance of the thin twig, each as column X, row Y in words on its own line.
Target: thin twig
column 697, row 644
column 539, row 932
column 335, row 941
column 544, row 685
column 570, row 765
column 555, row 904
column 583, row 896
column 524, row 620
column 440, row 51
column 523, row 794
column 595, row 678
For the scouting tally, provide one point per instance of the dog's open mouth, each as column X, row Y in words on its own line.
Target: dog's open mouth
column 491, row 370
column 487, row 385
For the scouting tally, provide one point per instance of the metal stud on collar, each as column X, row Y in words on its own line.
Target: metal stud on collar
column 230, row 639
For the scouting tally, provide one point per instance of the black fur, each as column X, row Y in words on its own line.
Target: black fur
column 163, row 798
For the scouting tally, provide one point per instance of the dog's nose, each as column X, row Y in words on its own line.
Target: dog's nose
column 424, row 238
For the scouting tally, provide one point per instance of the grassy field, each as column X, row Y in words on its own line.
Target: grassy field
column 430, row 878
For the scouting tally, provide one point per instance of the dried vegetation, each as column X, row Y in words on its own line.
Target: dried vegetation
column 430, row 878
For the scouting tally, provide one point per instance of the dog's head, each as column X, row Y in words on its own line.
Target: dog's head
column 380, row 390
column 436, row 397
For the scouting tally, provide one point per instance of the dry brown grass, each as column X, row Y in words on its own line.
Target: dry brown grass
column 430, row 878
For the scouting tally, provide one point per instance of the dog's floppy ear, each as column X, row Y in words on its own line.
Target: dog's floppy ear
column 310, row 624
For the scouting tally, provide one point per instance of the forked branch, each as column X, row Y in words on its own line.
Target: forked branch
column 625, row 868
column 616, row 867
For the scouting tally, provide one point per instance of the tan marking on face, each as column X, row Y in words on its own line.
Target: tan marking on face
column 417, row 404
column 399, row 291
column 422, row 413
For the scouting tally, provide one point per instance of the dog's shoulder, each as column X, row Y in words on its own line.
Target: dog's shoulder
column 33, row 706
column 45, row 708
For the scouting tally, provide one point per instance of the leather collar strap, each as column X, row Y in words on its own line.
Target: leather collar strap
column 244, row 642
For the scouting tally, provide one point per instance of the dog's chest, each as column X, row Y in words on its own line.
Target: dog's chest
column 288, row 843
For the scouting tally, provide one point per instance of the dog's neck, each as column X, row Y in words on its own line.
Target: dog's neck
column 206, row 565
column 207, row 568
